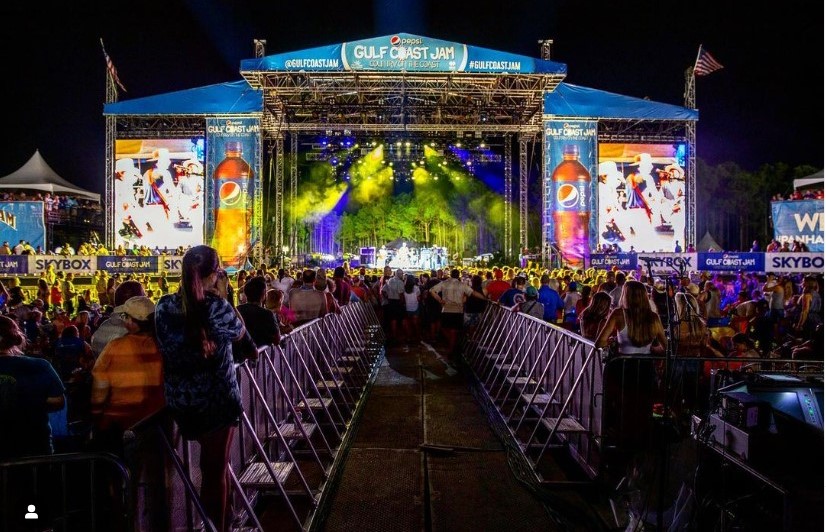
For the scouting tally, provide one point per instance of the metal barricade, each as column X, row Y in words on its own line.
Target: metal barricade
column 552, row 389
column 62, row 492
column 298, row 403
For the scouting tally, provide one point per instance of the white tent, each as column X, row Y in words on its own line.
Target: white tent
column 707, row 243
column 37, row 175
column 810, row 181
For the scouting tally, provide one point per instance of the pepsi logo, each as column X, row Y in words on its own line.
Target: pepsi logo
column 567, row 195
column 395, row 40
column 229, row 194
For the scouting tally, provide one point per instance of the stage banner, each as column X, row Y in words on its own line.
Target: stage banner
column 794, row 262
column 605, row 261
column 14, row 264
column 234, row 166
column 172, row 264
column 668, row 264
column 569, row 205
column 77, row 264
column 22, row 220
column 128, row 264
column 410, row 53
column 159, row 193
column 731, row 262
column 799, row 220
column 403, row 52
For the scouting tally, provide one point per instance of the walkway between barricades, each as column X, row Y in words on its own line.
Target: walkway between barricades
column 424, row 457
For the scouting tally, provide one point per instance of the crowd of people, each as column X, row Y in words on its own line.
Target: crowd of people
column 800, row 195
column 130, row 345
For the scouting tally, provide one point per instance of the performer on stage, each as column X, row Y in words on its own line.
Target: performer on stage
column 403, row 256
column 382, row 258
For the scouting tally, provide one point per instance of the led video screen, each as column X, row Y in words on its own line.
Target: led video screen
column 641, row 197
column 159, row 193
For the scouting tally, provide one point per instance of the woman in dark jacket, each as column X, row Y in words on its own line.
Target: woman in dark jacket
column 195, row 328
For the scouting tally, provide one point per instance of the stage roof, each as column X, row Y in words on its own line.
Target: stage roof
column 403, row 52
column 581, row 102
column 235, row 97
column 401, row 82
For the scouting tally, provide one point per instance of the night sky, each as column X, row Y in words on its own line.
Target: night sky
column 765, row 106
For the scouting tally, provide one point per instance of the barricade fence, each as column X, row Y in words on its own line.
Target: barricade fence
column 65, row 492
column 299, row 401
column 553, row 389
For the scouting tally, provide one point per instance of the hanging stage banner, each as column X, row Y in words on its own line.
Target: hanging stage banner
column 233, row 164
column 569, row 202
column 799, row 220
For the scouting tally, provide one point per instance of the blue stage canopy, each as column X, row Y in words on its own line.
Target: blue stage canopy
column 403, row 52
column 236, row 97
column 573, row 101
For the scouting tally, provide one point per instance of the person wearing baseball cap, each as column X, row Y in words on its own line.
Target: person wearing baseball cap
column 127, row 380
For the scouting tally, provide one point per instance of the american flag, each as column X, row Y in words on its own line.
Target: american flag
column 110, row 66
column 706, row 64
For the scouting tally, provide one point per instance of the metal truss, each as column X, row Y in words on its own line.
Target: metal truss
column 508, row 244
column 109, row 171
column 406, row 101
column 523, row 192
column 293, row 239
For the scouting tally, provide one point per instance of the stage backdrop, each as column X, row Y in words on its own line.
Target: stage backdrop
column 22, row 220
column 799, row 220
column 159, row 192
column 642, row 196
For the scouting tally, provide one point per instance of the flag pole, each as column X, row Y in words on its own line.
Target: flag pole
column 691, row 160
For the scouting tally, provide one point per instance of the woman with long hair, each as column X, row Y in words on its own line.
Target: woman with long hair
column 634, row 325
column 583, row 301
column 44, row 293
column 629, row 382
column 594, row 315
column 195, row 328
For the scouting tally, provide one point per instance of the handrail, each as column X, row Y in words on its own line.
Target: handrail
column 273, row 386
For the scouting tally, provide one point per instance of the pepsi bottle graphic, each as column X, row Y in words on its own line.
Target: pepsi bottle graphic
column 232, row 178
column 572, row 191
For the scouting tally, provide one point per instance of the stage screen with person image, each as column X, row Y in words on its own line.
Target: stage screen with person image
column 641, row 197
column 159, row 193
